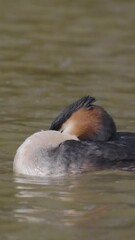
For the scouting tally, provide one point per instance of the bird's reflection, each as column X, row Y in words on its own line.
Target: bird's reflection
column 42, row 200
column 57, row 202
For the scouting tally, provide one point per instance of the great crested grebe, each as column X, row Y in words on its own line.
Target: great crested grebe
column 82, row 138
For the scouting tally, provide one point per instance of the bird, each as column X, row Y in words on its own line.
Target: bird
column 82, row 138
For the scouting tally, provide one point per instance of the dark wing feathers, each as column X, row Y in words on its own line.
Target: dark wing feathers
column 119, row 154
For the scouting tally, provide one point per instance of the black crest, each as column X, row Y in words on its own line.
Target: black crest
column 84, row 102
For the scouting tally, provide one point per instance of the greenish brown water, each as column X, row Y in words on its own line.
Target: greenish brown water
column 51, row 53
